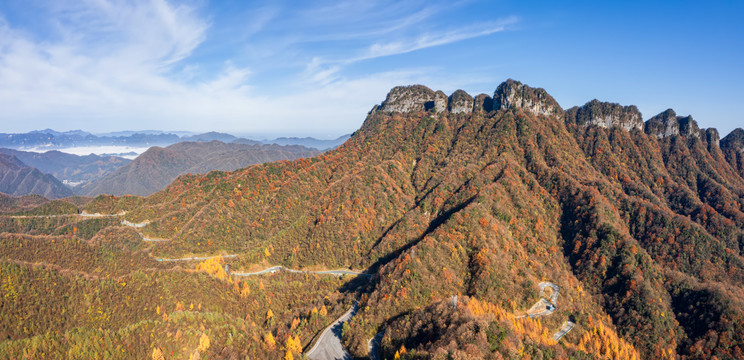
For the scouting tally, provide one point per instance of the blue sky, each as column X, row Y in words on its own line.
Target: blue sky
column 315, row 68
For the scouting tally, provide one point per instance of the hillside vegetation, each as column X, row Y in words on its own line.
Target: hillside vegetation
column 641, row 225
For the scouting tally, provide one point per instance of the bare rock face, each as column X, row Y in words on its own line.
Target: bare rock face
column 482, row 104
column 409, row 99
column 460, row 102
column 513, row 94
column 663, row 125
column 440, row 101
column 606, row 115
column 688, row 127
column 713, row 137
column 668, row 124
column 420, row 98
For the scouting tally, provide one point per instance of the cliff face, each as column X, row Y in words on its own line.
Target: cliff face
column 460, row 102
column 513, row 94
column 606, row 115
column 667, row 124
column 509, row 95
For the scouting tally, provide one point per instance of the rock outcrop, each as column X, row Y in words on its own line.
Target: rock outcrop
column 663, row 125
column 712, row 137
column 482, row 104
column 412, row 98
column 606, row 115
column 460, row 102
column 667, row 124
column 512, row 94
column 688, row 127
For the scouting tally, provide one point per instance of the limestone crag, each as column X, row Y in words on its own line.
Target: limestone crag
column 663, row 125
column 406, row 99
column 605, row 115
column 512, row 94
column 440, row 101
column 482, row 103
column 667, row 124
column 688, row 127
column 460, row 102
column 712, row 137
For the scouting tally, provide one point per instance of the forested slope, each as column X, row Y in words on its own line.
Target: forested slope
column 641, row 225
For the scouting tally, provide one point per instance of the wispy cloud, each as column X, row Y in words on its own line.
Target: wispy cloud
column 110, row 65
column 381, row 49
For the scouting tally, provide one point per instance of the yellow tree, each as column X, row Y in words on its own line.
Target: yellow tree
column 293, row 344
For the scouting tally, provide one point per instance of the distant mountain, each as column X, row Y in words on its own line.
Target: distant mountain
column 310, row 142
column 17, row 178
column 69, row 168
column 57, row 133
column 148, row 132
column 246, row 141
column 157, row 167
column 210, row 136
column 54, row 140
column 51, row 139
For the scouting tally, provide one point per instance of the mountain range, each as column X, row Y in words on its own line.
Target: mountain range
column 157, row 167
column 466, row 216
column 68, row 168
column 51, row 139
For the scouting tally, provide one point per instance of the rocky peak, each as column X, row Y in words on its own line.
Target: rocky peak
column 606, row 115
column 460, row 102
column 408, row 99
column 667, row 124
column 482, row 103
column 415, row 98
column 734, row 140
column 688, row 126
column 712, row 137
column 663, row 125
column 512, row 94
column 440, row 101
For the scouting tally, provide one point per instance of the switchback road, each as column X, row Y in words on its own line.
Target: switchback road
column 328, row 346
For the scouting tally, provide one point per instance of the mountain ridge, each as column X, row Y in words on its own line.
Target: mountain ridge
column 459, row 211
column 17, row 178
column 157, row 167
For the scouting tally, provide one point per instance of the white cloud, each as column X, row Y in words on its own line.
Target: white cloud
column 381, row 49
column 127, row 65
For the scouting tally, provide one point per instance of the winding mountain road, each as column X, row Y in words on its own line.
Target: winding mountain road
column 546, row 306
column 82, row 214
column 198, row 258
column 328, row 346
column 373, row 346
column 567, row 326
column 274, row 269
